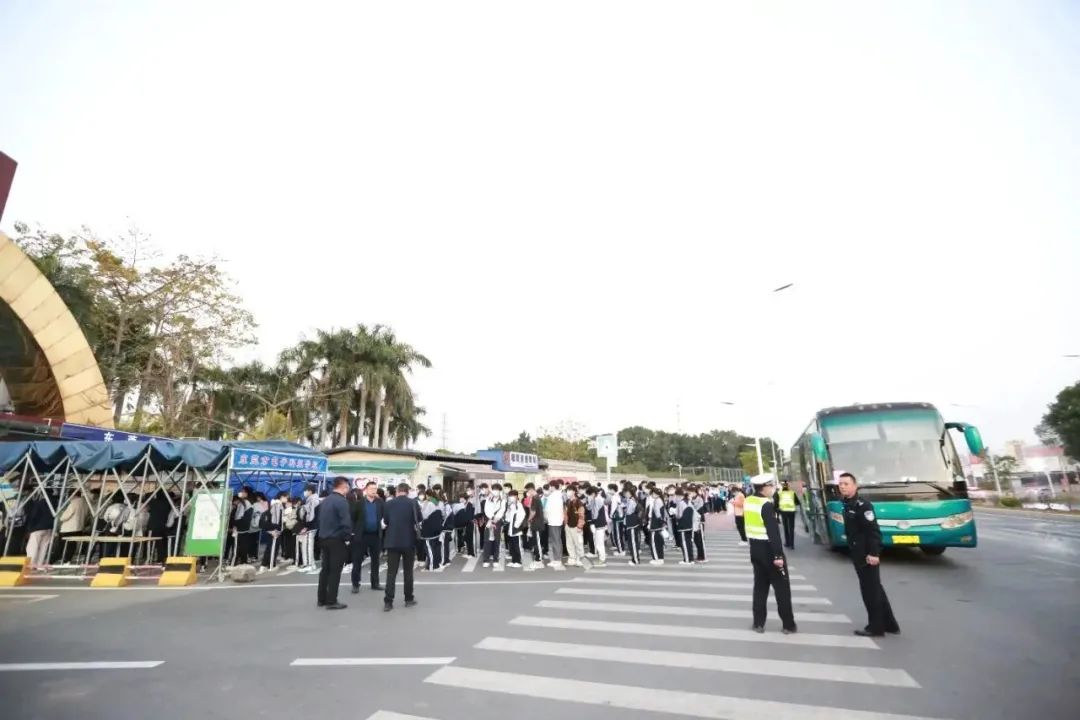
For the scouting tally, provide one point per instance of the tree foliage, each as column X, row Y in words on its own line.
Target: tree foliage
column 1062, row 418
column 163, row 333
column 654, row 451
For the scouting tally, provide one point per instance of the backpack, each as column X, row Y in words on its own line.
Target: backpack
column 256, row 522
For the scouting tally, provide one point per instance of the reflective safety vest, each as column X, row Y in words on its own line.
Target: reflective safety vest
column 755, row 524
column 787, row 501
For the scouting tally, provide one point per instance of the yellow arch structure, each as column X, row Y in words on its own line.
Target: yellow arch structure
column 57, row 375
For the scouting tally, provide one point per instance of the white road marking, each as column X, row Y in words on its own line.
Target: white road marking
column 39, row 666
column 386, row 715
column 683, row 571
column 643, row 697
column 660, row 595
column 28, row 597
column 701, row 661
column 592, row 578
column 683, row 610
column 470, row 564
column 848, row 641
column 500, row 564
column 350, row 661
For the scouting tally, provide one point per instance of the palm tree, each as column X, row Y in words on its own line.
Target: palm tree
column 393, row 392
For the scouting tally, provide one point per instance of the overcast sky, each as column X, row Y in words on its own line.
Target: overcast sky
column 578, row 209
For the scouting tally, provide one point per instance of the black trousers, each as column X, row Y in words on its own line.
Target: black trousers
column 767, row 575
column 787, row 519
column 492, row 534
column 699, row 543
column 740, row 525
column 366, row 545
column 537, row 549
column 334, row 553
column 632, row 545
column 432, row 552
column 878, row 610
column 405, row 559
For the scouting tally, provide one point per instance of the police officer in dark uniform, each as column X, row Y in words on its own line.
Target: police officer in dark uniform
column 864, row 541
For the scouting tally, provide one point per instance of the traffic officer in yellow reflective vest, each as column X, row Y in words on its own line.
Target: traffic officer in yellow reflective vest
column 864, row 541
column 788, row 504
column 767, row 555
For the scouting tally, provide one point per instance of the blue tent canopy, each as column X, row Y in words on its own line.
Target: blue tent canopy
column 98, row 456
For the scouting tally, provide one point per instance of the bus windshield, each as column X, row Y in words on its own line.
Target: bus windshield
column 892, row 446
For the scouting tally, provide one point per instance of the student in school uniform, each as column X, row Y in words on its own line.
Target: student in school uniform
column 684, row 525
column 431, row 521
column 657, row 523
column 598, row 526
column 632, row 521
column 618, row 520
column 494, row 514
column 699, row 505
column 449, row 528
column 535, row 523
column 464, row 524
column 516, row 517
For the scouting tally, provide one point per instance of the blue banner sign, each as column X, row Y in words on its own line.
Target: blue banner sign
column 253, row 460
column 74, row 431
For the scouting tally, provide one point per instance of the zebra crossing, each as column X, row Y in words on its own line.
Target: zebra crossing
column 669, row 640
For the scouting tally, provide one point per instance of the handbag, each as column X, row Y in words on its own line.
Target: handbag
column 666, row 534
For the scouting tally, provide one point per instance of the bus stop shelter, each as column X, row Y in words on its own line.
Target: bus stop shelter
column 133, row 473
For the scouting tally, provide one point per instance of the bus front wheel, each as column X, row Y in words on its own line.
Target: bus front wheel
column 932, row 549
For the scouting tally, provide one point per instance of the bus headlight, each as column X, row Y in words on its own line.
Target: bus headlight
column 955, row 521
column 836, row 517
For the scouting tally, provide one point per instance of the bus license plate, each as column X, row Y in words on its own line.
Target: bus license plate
column 905, row 539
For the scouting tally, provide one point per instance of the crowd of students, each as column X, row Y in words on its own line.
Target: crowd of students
column 553, row 525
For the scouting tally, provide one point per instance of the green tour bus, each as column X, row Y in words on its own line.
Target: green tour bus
column 903, row 456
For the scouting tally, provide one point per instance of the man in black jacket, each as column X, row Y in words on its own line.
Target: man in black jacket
column 864, row 540
column 402, row 515
column 335, row 528
column 367, row 517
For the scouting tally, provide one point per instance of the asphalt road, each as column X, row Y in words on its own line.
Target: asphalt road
column 987, row 633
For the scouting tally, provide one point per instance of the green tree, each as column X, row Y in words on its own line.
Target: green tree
column 1063, row 419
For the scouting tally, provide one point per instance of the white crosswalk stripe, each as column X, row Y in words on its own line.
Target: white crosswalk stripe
column 848, row 641
column 639, row 697
column 385, row 715
column 592, row 578
column 701, row 661
column 674, row 595
column 682, row 610
column 684, row 572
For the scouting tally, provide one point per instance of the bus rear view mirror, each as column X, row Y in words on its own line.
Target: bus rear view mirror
column 817, row 444
column 974, row 440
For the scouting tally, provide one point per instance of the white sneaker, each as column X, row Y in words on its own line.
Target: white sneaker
column 347, row 568
column 703, row 561
column 656, row 562
column 685, row 562
column 487, row 564
column 537, row 566
column 262, row 570
column 558, row 566
column 440, row 568
column 513, row 565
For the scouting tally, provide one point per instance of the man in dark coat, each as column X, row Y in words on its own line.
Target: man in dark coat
column 402, row 515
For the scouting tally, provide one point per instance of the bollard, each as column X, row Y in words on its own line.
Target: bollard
column 112, row 573
column 13, row 570
column 179, row 571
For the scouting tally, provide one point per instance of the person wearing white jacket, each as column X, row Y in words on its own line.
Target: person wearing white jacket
column 515, row 526
column 555, row 517
column 495, row 512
